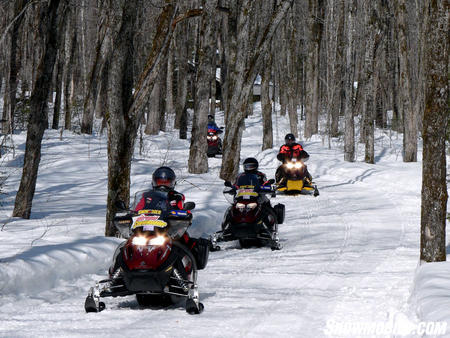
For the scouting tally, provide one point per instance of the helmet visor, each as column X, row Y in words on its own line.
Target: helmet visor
column 164, row 182
column 250, row 166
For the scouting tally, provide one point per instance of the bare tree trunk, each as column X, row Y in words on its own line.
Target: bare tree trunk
column 316, row 17
column 292, row 78
column 198, row 160
column 170, row 104
column 243, row 76
column 162, row 98
column 94, row 78
column 124, row 107
column 69, row 51
column 121, row 128
column 409, row 116
column 154, row 110
column 368, row 74
column 435, row 123
column 182, row 75
column 12, row 67
column 58, row 89
column 338, row 70
column 349, row 140
column 266, row 103
column 38, row 113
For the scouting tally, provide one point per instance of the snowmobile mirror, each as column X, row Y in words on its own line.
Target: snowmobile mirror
column 189, row 205
column 121, row 205
column 228, row 184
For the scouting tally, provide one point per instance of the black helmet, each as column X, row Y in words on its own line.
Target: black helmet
column 289, row 138
column 163, row 177
column 210, row 118
column 250, row 164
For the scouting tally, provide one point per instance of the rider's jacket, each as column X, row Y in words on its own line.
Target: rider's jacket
column 176, row 200
column 213, row 126
column 294, row 150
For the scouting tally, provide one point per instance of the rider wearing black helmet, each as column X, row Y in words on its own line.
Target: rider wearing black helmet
column 291, row 149
column 287, row 152
column 164, row 179
column 212, row 125
column 250, row 165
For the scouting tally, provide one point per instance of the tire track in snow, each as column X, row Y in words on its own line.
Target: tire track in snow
column 318, row 204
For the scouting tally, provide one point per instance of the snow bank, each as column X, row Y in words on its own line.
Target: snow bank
column 432, row 292
column 44, row 267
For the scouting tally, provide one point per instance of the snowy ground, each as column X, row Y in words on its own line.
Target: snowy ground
column 349, row 256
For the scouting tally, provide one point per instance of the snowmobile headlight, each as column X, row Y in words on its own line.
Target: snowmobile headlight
column 298, row 165
column 157, row 241
column 240, row 206
column 209, row 138
column 214, row 138
column 290, row 165
column 139, row 240
column 252, row 205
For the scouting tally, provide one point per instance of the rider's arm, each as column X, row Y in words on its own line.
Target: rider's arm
column 176, row 200
column 304, row 155
column 141, row 204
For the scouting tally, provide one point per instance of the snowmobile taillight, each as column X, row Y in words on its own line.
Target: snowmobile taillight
column 157, row 241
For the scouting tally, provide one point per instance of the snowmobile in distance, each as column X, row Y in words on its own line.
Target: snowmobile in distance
column 292, row 178
column 152, row 263
column 214, row 142
column 250, row 219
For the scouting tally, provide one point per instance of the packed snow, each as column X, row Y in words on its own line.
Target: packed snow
column 350, row 256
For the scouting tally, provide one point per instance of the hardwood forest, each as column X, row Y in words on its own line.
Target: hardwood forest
column 136, row 65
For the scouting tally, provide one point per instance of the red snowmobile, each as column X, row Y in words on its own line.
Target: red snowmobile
column 154, row 262
column 214, row 142
column 250, row 219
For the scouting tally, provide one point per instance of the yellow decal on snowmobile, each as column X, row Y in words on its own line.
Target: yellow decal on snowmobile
column 157, row 223
column 294, row 185
column 149, row 211
column 246, row 192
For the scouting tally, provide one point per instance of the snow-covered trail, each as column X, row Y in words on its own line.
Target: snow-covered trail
column 348, row 255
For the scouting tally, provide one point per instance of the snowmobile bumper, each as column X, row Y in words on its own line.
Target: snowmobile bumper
column 146, row 280
column 213, row 150
column 299, row 187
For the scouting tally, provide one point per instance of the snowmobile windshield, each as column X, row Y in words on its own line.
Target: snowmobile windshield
column 248, row 187
column 151, row 199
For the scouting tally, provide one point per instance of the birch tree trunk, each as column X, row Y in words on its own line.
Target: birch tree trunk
column 38, row 120
column 435, row 123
